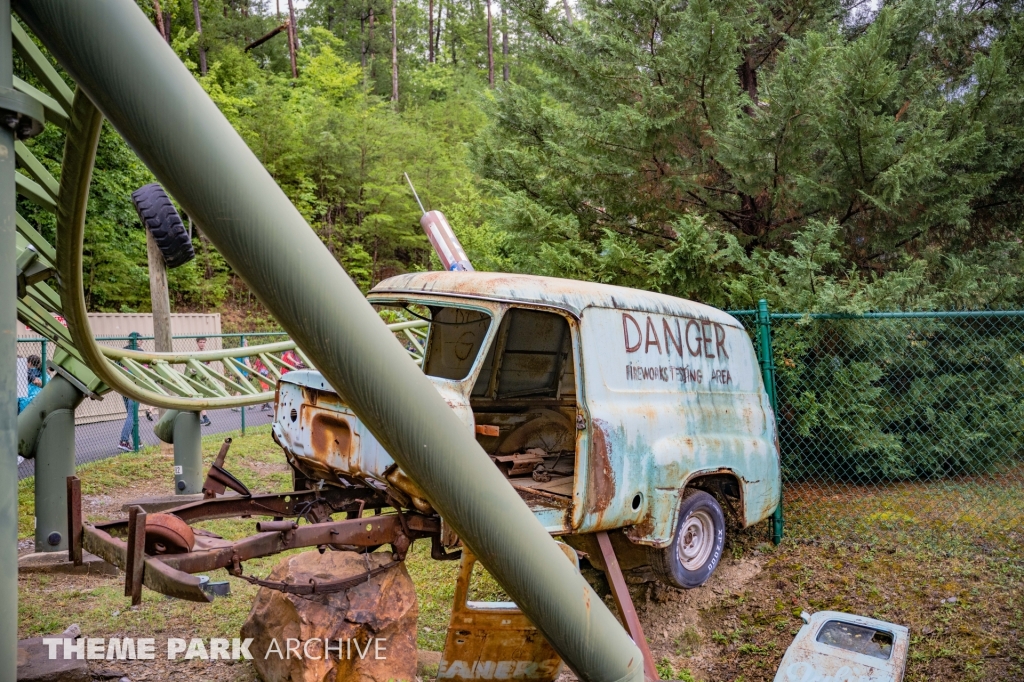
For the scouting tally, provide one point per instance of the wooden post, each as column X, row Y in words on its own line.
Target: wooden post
column 159, row 296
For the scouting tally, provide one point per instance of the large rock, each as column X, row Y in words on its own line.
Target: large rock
column 376, row 618
column 35, row 665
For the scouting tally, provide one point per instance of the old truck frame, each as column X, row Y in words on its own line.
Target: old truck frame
column 608, row 409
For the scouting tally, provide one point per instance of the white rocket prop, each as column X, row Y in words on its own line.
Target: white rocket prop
column 439, row 232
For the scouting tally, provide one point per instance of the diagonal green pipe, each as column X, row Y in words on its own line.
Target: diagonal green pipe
column 114, row 54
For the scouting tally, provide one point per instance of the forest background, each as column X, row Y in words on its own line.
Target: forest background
column 828, row 156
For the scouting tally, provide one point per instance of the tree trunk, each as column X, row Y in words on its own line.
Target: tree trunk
column 504, row 43
column 158, row 19
column 430, row 32
column 291, row 37
column 394, row 53
column 451, row 34
column 369, row 47
column 199, row 30
column 362, row 39
column 568, row 11
column 167, row 28
column 748, row 80
column 490, row 46
column 267, row 36
column 437, row 33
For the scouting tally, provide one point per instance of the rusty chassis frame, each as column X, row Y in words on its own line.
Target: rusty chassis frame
column 171, row 574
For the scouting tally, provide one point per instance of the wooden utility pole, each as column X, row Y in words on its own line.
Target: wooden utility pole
column 159, row 296
column 199, row 30
column 504, row 43
column 394, row 52
column 292, row 38
column 490, row 47
column 430, row 32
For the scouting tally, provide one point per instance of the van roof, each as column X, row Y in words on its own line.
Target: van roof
column 566, row 294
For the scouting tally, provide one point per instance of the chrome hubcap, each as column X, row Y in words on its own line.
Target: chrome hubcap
column 696, row 541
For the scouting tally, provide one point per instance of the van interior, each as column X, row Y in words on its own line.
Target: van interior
column 524, row 398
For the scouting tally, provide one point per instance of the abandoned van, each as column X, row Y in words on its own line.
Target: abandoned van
column 606, row 408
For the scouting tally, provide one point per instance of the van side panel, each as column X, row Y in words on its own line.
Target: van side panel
column 670, row 396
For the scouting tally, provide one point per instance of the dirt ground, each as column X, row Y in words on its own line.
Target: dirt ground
column 962, row 596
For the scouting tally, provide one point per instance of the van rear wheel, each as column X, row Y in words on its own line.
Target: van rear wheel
column 692, row 556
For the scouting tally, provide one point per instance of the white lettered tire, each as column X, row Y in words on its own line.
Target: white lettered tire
column 696, row 549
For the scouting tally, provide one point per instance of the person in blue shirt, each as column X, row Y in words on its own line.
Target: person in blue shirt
column 35, row 381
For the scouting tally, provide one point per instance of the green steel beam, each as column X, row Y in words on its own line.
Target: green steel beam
column 141, row 86
column 34, row 192
column 28, row 161
column 52, row 111
column 41, row 66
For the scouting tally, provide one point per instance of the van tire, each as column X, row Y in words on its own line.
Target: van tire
column 159, row 216
column 696, row 548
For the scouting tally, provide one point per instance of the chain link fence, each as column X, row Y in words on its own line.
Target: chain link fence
column 909, row 421
column 107, row 427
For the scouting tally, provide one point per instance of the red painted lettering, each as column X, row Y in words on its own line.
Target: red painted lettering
column 720, row 341
column 693, row 324
column 652, row 333
column 676, row 340
column 626, row 320
column 705, row 327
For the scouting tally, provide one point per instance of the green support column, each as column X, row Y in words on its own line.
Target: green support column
column 46, row 431
column 188, row 454
column 8, row 378
column 767, row 358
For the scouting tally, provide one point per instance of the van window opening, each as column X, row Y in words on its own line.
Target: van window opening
column 454, row 342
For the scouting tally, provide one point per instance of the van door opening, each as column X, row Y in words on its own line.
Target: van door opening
column 527, row 390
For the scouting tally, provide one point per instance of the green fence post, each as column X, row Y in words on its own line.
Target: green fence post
column 42, row 361
column 767, row 358
column 241, row 408
column 133, row 343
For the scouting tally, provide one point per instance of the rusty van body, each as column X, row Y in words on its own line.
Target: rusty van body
column 605, row 407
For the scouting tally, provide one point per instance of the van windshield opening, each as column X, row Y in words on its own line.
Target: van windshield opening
column 456, row 336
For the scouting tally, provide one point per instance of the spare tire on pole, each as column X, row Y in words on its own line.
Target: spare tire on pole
column 159, row 216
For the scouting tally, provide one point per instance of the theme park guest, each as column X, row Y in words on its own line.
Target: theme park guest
column 35, row 381
column 131, row 408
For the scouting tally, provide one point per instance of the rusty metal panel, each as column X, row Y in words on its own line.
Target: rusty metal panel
column 671, row 394
column 840, row 646
column 494, row 640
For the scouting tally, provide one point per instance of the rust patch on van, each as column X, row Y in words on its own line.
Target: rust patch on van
column 600, row 476
column 330, row 434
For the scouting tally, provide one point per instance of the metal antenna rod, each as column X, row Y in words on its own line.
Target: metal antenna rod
column 414, row 193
